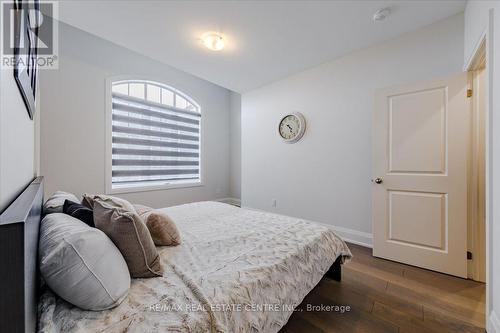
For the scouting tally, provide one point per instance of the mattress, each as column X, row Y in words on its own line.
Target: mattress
column 237, row 270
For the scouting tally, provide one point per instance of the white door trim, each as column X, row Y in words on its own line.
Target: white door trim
column 492, row 323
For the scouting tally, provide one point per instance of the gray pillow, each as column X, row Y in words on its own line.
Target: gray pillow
column 81, row 264
column 55, row 202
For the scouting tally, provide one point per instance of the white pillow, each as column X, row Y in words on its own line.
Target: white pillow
column 55, row 202
column 81, row 264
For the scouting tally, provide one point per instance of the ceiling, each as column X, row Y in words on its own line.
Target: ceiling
column 266, row 40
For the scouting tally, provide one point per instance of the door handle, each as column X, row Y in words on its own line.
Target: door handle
column 378, row 180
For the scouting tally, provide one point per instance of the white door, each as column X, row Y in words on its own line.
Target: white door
column 421, row 142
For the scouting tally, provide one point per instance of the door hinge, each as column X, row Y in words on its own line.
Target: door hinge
column 469, row 255
column 469, row 93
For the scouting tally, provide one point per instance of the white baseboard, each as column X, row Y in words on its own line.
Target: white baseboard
column 354, row 236
column 494, row 323
column 231, row 201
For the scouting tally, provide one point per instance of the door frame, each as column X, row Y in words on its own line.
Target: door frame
column 486, row 40
column 476, row 220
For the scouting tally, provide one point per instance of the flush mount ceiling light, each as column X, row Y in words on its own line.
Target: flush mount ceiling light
column 381, row 14
column 213, row 41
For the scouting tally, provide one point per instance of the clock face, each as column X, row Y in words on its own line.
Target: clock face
column 291, row 127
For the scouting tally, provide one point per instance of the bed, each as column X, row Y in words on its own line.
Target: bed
column 237, row 270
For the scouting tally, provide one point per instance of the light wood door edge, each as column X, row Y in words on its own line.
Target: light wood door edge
column 477, row 188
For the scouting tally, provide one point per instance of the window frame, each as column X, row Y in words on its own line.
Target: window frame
column 109, row 137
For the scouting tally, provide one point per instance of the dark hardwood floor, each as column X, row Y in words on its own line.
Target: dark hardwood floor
column 386, row 296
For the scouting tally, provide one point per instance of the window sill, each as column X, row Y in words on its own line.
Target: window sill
column 132, row 189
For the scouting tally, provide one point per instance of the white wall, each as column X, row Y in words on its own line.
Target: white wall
column 16, row 141
column 235, row 146
column 326, row 176
column 476, row 23
column 72, row 150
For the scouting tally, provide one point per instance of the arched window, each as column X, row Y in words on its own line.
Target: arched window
column 155, row 136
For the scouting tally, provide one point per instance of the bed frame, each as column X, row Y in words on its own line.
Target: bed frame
column 335, row 271
column 19, row 226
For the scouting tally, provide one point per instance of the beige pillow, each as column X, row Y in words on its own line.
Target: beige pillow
column 88, row 200
column 130, row 236
column 160, row 226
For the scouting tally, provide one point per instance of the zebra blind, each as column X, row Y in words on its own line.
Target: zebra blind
column 155, row 135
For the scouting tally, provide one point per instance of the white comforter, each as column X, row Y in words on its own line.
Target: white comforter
column 237, row 270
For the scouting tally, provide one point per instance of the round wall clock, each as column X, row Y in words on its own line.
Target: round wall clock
column 292, row 127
